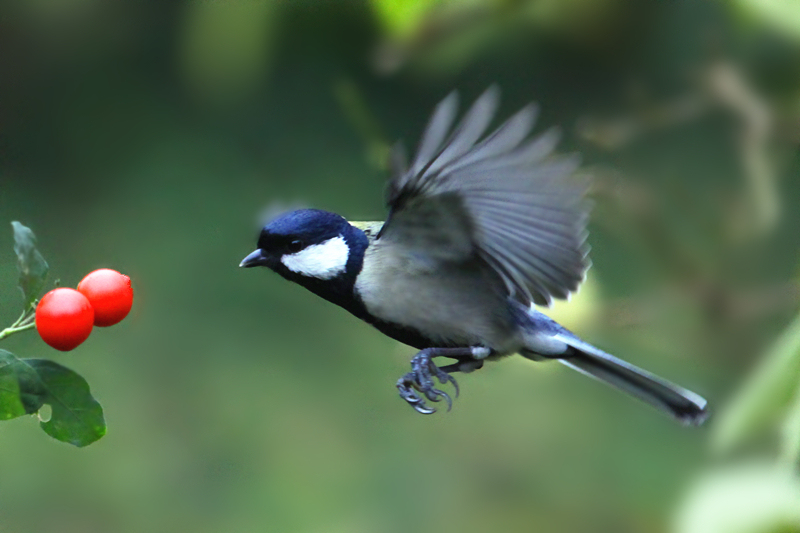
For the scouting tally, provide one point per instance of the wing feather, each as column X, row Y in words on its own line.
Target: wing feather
column 435, row 133
column 504, row 139
column 505, row 199
column 469, row 130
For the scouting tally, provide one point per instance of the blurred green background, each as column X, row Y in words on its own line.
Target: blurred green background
column 148, row 137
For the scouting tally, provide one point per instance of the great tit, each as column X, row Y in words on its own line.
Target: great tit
column 480, row 228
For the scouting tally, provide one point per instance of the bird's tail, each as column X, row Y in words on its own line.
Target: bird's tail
column 686, row 406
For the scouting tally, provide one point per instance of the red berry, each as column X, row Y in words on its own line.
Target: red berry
column 110, row 294
column 64, row 318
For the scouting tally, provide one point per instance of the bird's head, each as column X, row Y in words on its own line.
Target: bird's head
column 317, row 249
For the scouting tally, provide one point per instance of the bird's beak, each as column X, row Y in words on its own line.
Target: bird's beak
column 256, row 258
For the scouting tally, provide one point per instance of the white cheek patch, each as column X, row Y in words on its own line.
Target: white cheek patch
column 324, row 261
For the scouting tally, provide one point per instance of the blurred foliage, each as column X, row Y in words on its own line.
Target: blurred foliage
column 403, row 17
column 224, row 47
column 782, row 16
column 148, row 136
column 748, row 498
column 764, row 496
column 767, row 397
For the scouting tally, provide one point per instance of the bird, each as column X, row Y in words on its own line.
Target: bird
column 481, row 229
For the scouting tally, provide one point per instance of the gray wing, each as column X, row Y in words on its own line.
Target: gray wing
column 506, row 198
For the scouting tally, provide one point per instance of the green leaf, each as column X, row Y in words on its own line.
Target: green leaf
column 766, row 396
column 30, row 263
column 77, row 417
column 28, row 384
column 10, row 403
column 21, row 390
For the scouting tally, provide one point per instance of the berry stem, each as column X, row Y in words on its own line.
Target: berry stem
column 25, row 321
column 11, row 330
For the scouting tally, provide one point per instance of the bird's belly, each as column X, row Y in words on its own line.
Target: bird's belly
column 455, row 307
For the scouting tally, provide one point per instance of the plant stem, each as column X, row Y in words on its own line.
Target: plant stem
column 16, row 329
column 20, row 319
column 25, row 321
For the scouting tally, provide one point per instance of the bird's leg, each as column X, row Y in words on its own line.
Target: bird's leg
column 418, row 384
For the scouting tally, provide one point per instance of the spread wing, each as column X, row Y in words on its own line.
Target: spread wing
column 505, row 198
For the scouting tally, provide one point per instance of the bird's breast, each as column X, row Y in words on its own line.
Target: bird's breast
column 450, row 304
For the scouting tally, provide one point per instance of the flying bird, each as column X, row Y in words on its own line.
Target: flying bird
column 480, row 228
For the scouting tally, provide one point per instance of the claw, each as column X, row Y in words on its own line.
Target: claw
column 436, row 395
column 447, row 399
column 424, row 409
column 446, row 378
column 406, row 386
column 418, row 385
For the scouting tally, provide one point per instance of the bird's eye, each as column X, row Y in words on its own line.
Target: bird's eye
column 296, row 246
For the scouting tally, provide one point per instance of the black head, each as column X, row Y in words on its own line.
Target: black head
column 317, row 249
column 294, row 232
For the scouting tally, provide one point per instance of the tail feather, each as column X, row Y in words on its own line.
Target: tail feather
column 546, row 339
column 686, row 406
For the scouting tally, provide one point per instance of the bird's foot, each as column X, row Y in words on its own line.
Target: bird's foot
column 418, row 385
